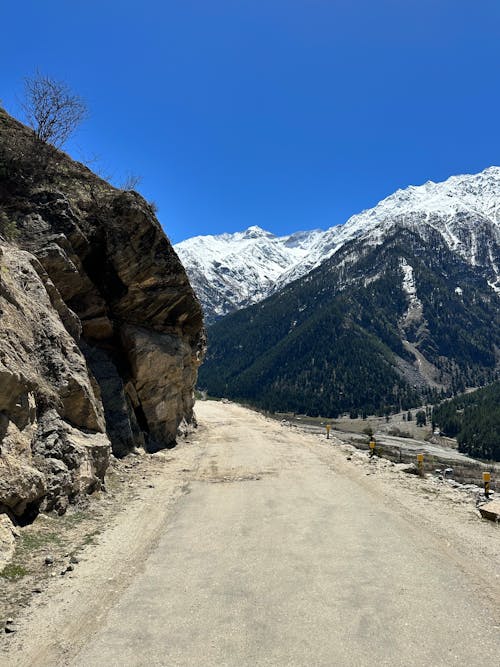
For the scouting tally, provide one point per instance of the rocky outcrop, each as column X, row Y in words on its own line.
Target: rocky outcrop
column 46, row 395
column 8, row 534
column 100, row 332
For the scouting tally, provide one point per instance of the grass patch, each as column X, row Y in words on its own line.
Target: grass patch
column 33, row 541
column 90, row 537
column 13, row 571
column 74, row 518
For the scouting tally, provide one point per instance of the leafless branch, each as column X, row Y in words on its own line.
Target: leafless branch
column 131, row 182
column 52, row 109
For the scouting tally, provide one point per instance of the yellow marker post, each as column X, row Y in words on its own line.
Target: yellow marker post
column 487, row 480
column 420, row 463
column 328, row 427
column 372, row 447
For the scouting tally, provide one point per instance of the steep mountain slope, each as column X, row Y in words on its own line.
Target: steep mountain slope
column 101, row 334
column 231, row 271
column 407, row 308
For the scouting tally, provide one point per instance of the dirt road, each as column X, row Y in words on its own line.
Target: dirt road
column 266, row 546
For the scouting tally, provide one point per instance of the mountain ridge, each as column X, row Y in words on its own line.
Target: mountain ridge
column 231, row 271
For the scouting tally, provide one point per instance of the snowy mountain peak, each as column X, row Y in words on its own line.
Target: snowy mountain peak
column 230, row 271
column 255, row 232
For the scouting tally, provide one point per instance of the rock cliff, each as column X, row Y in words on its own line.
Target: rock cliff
column 101, row 334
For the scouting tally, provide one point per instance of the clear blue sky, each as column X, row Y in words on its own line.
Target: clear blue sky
column 289, row 114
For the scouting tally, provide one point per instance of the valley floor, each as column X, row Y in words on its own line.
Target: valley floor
column 264, row 545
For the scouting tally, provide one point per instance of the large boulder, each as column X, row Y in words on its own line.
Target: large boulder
column 22, row 487
column 71, row 459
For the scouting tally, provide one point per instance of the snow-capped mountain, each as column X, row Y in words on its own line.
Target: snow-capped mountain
column 231, row 271
column 405, row 311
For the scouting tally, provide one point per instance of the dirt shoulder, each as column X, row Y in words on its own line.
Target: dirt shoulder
column 95, row 550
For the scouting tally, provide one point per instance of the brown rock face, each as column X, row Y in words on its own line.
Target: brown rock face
column 100, row 332
column 163, row 373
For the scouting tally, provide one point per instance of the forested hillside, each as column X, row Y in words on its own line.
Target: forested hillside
column 474, row 419
column 375, row 329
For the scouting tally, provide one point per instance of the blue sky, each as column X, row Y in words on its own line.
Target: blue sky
column 289, row 114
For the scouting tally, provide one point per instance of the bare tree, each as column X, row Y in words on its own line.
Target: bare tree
column 130, row 182
column 52, row 109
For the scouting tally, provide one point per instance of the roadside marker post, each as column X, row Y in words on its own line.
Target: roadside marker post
column 328, row 427
column 372, row 447
column 487, row 480
column 420, row 463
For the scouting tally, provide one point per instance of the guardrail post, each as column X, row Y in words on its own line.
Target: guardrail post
column 487, row 480
column 420, row 464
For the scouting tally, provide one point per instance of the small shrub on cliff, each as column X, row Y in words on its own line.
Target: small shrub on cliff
column 8, row 228
column 131, row 182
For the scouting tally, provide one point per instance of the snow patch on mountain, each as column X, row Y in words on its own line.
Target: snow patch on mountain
column 415, row 306
column 409, row 285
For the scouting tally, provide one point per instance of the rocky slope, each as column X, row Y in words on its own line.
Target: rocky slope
column 101, row 334
column 231, row 271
